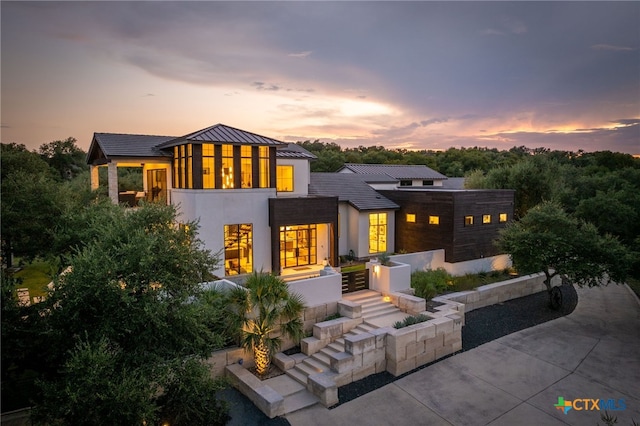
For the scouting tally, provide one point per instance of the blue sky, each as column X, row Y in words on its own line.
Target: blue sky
column 416, row 75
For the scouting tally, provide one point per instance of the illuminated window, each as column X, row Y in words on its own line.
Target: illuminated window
column 468, row 221
column 227, row 166
column 486, row 218
column 238, row 249
column 284, row 178
column 264, row 166
column 245, row 167
column 182, row 160
column 298, row 245
column 434, row 220
column 208, row 167
column 411, row 217
column 503, row 217
column 377, row 232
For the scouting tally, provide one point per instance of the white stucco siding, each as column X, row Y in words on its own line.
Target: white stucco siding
column 343, row 232
column 216, row 208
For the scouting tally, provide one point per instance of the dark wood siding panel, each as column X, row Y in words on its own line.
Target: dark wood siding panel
column 197, row 166
column 477, row 241
column 420, row 235
column 459, row 242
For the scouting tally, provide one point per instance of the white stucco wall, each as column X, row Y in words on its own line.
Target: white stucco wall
column 216, row 208
column 343, row 233
column 326, row 288
column 434, row 259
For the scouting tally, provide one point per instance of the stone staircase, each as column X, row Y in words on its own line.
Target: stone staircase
column 375, row 310
column 375, row 313
column 320, row 362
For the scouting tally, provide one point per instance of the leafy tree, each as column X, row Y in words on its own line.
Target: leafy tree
column 549, row 240
column 129, row 319
column 31, row 203
column 65, row 157
column 265, row 307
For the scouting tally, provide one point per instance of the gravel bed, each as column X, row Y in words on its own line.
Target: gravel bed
column 481, row 326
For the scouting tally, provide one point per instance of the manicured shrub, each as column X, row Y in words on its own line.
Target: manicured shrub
column 429, row 283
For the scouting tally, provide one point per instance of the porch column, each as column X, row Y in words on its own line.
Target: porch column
column 95, row 177
column 113, row 182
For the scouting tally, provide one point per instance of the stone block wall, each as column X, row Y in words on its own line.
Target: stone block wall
column 498, row 292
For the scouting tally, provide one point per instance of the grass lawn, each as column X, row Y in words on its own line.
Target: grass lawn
column 35, row 276
column 351, row 268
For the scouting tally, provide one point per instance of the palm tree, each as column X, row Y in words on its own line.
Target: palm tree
column 260, row 309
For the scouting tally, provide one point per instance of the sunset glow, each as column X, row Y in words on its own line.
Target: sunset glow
column 436, row 75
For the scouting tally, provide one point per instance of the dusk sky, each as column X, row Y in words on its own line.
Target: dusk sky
column 416, row 75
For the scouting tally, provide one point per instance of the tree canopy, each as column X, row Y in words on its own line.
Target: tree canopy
column 129, row 319
column 548, row 239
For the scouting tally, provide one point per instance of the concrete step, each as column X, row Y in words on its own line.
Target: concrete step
column 316, row 364
column 305, row 368
column 324, row 356
column 360, row 296
column 387, row 320
column 381, row 311
column 298, row 376
column 299, row 400
column 366, row 327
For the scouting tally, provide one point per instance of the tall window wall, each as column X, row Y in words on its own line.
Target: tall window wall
column 264, row 161
column 221, row 166
column 246, row 172
column 208, row 166
column 182, row 163
column 377, row 232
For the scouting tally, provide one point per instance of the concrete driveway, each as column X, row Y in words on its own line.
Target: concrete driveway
column 591, row 354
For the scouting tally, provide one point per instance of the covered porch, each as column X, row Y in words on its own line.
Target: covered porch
column 107, row 151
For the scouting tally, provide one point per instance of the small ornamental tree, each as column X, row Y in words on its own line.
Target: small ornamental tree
column 549, row 240
column 263, row 308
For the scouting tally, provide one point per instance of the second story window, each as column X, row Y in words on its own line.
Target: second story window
column 406, row 183
column 245, row 167
column 208, row 167
column 264, row 167
column 468, row 221
column 284, row 178
column 227, row 166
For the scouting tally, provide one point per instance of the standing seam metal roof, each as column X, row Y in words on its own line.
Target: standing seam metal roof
column 127, row 145
column 225, row 134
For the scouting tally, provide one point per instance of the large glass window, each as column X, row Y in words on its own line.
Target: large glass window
column 227, row 166
column 264, row 166
column 238, row 249
column 284, row 178
column 182, row 161
column 208, row 166
column 377, row 232
column 246, row 174
column 298, row 245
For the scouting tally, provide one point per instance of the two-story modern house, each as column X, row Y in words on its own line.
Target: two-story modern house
column 259, row 206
